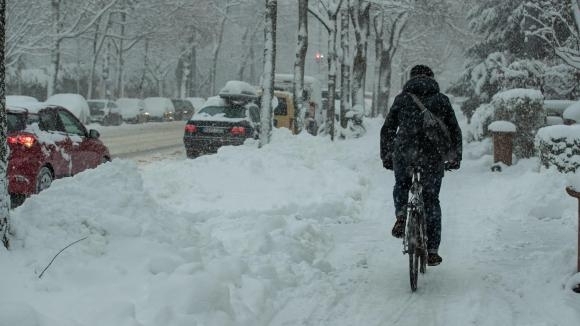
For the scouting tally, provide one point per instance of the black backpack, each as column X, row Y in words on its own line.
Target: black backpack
column 436, row 131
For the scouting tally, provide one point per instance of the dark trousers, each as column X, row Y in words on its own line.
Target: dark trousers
column 431, row 177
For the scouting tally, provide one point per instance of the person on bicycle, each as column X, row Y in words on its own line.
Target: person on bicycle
column 404, row 143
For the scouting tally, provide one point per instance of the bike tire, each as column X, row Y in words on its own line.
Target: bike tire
column 422, row 252
column 412, row 252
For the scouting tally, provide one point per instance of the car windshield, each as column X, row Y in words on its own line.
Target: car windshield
column 225, row 111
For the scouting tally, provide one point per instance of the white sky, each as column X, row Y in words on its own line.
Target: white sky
column 295, row 233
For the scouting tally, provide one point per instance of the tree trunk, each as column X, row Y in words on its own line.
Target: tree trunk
column 344, row 67
column 361, row 22
column 269, row 71
column 377, row 73
column 193, row 88
column 216, row 52
column 55, row 48
column 4, row 197
column 121, row 60
column 332, row 61
column 299, row 62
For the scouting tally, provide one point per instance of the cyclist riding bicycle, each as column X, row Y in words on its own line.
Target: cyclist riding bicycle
column 404, row 143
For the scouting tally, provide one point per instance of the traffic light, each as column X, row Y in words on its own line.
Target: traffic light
column 318, row 56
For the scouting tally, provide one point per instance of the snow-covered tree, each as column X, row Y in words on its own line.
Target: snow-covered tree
column 389, row 22
column 329, row 20
column 557, row 24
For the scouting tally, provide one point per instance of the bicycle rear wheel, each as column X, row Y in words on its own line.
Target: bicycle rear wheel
column 412, row 241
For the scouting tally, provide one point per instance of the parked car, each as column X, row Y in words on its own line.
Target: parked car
column 183, row 109
column 221, row 121
column 132, row 110
column 47, row 142
column 159, row 109
column 105, row 112
column 75, row 103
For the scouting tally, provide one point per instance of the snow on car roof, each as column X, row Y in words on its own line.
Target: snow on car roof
column 238, row 88
column 32, row 107
column 15, row 99
column 214, row 101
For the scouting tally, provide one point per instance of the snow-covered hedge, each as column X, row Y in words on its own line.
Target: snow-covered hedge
column 559, row 146
column 522, row 107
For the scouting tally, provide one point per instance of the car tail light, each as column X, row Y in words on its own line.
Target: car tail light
column 238, row 131
column 191, row 129
column 25, row 140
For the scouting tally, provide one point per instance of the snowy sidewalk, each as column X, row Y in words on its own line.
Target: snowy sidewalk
column 295, row 233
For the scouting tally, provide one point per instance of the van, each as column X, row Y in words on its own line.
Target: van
column 312, row 97
column 284, row 111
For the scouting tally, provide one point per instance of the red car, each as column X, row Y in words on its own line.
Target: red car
column 47, row 142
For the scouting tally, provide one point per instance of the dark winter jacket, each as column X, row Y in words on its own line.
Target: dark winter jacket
column 402, row 135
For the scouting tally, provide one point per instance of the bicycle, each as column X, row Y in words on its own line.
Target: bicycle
column 415, row 239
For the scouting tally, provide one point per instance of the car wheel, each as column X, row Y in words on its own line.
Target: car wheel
column 105, row 159
column 43, row 179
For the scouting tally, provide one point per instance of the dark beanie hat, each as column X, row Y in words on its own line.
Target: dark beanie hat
column 421, row 70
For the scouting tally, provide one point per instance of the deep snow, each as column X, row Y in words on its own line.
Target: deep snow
column 295, row 233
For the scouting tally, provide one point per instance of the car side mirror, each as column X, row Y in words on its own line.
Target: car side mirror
column 94, row 134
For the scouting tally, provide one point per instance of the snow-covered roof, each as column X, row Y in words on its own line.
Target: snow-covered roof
column 75, row 103
column 572, row 112
column 502, row 126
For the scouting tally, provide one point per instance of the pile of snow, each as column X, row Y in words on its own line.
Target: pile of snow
column 75, row 103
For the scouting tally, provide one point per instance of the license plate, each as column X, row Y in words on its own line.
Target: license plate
column 213, row 130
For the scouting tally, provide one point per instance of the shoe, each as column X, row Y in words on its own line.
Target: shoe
column 434, row 259
column 399, row 227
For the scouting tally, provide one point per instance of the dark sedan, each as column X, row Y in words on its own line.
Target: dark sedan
column 218, row 123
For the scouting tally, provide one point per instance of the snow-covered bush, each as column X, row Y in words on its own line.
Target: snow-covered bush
column 482, row 117
column 524, row 108
column 560, row 82
column 559, row 146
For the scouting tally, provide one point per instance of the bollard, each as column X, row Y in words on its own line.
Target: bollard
column 576, row 195
column 503, row 143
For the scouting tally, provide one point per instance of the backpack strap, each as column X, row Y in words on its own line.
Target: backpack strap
column 418, row 102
